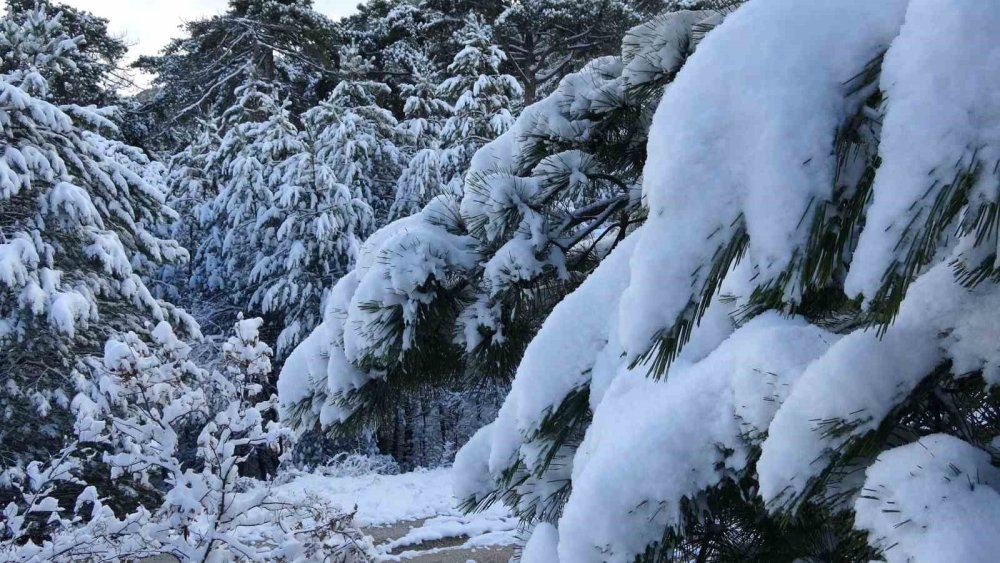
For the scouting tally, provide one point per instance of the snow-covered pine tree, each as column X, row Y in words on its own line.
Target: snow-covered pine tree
column 76, row 238
column 484, row 100
column 90, row 74
column 541, row 44
column 389, row 32
column 392, row 31
column 430, row 172
column 356, row 137
column 605, row 110
column 542, row 205
column 546, row 39
column 241, row 224
column 424, row 113
column 284, row 43
column 321, row 225
column 193, row 179
column 794, row 357
column 431, row 167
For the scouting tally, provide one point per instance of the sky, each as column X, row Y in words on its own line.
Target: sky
column 148, row 24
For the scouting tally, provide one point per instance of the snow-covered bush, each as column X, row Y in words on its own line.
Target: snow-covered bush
column 143, row 399
column 794, row 357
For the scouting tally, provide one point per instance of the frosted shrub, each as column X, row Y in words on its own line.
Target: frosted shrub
column 142, row 398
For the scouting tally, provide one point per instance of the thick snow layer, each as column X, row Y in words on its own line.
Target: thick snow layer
column 294, row 383
column 939, row 76
column 408, row 259
column 541, row 547
column 502, row 188
column 559, row 360
column 658, row 47
column 722, row 160
column 862, row 377
column 317, row 368
column 688, row 430
column 561, row 357
column 471, row 478
column 384, row 499
column 720, row 155
column 394, row 268
column 932, row 501
column 518, row 261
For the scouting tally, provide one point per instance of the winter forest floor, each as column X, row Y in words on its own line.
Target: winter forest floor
column 412, row 516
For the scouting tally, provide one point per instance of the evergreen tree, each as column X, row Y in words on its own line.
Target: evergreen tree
column 389, row 34
column 708, row 323
column 546, row 39
column 483, row 99
column 76, row 237
column 283, row 43
column 445, row 300
column 393, row 33
column 430, row 172
column 91, row 73
column 785, row 361
column 241, row 224
column 321, row 224
column 430, row 167
column 193, row 180
column 424, row 113
column 356, row 136
column 442, row 19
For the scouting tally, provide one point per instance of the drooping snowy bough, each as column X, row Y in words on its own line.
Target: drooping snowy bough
column 795, row 356
column 451, row 295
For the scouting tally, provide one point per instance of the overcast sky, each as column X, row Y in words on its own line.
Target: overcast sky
column 149, row 24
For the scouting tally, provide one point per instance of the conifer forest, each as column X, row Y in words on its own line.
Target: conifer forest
column 538, row 281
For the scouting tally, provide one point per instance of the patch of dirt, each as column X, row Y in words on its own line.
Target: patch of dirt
column 386, row 534
column 478, row 555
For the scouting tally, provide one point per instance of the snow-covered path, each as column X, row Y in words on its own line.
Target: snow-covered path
column 412, row 516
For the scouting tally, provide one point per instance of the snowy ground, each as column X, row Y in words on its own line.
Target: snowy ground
column 412, row 516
